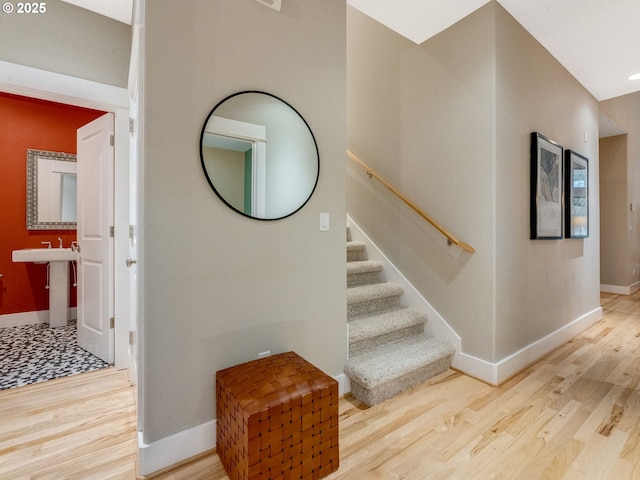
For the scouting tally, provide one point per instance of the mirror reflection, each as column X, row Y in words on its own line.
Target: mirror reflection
column 51, row 190
column 259, row 155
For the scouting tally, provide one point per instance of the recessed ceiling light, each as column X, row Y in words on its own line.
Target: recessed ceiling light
column 635, row 76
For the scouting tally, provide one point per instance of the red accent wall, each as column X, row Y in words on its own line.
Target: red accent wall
column 27, row 123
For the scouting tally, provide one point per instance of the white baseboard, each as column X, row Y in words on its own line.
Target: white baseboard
column 497, row 373
column 189, row 443
column 24, row 318
column 492, row 373
column 30, row 318
column 513, row 364
column 344, row 384
column 202, row 438
column 176, row 448
column 620, row 290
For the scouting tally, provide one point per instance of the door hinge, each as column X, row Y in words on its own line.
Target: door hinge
column 132, row 337
column 130, row 125
column 112, row 323
column 112, row 232
column 112, row 140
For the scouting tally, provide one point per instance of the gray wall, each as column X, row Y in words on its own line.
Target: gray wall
column 623, row 261
column 448, row 123
column 425, row 122
column 219, row 287
column 68, row 40
column 541, row 285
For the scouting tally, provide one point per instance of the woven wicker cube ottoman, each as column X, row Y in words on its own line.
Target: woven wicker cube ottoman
column 277, row 418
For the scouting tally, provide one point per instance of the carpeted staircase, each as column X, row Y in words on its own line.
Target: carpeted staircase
column 388, row 349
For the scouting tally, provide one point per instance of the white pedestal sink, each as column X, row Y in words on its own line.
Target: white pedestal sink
column 58, row 259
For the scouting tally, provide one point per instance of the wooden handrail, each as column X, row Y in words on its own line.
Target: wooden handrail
column 450, row 238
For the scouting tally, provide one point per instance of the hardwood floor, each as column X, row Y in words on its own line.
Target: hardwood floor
column 77, row 427
column 573, row 415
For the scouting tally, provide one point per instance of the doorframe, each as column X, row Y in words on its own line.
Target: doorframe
column 55, row 87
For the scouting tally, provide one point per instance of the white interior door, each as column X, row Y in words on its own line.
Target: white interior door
column 95, row 161
column 133, row 245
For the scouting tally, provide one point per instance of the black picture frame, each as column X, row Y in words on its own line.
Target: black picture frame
column 546, row 216
column 577, row 195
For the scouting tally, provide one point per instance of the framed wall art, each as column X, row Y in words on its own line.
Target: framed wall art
column 546, row 188
column 576, row 223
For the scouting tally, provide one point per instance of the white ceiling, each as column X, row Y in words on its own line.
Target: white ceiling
column 598, row 41
column 120, row 10
column 418, row 20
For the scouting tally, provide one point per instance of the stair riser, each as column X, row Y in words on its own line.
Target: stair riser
column 384, row 392
column 356, row 255
column 371, row 306
column 356, row 279
column 356, row 348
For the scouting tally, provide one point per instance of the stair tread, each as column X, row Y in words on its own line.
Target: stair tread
column 370, row 326
column 393, row 360
column 363, row 266
column 365, row 293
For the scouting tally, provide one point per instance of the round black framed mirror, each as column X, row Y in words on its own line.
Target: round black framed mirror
column 259, row 155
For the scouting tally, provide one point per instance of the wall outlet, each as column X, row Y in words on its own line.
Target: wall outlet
column 264, row 354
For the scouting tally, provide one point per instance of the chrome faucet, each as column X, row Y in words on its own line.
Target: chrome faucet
column 48, row 244
column 60, row 240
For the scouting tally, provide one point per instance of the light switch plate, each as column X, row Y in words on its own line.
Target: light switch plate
column 324, row 222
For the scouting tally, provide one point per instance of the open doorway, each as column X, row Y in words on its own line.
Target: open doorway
column 617, row 275
column 39, row 156
column 48, row 86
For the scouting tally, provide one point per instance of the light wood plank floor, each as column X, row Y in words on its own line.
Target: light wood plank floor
column 573, row 415
column 77, row 427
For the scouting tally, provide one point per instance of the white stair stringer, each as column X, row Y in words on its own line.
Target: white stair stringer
column 389, row 352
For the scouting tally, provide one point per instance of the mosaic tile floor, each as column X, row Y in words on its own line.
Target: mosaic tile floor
column 34, row 353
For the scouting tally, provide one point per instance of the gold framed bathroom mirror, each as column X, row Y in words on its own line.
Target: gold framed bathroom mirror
column 51, row 190
column 259, row 155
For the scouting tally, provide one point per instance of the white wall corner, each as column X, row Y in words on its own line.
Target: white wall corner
column 478, row 368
